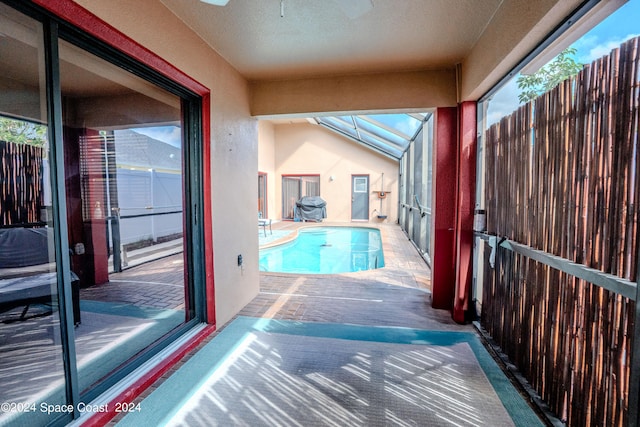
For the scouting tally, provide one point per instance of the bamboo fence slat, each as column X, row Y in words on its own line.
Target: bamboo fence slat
column 20, row 184
column 563, row 176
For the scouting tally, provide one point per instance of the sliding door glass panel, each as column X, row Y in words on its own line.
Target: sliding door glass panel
column 31, row 362
column 296, row 187
column 290, row 195
column 262, row 195
column 124, row 194
column 310, row 186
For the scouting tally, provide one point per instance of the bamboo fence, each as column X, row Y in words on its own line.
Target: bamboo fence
column 20, row 184
column 563, row 177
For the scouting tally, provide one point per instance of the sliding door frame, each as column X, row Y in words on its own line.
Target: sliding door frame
column 65, row 20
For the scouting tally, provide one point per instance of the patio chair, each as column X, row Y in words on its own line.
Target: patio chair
column 264, row 222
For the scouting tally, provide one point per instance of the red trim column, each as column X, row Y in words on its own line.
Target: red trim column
column 208, row 209
column 443, row 210
column 465, row 209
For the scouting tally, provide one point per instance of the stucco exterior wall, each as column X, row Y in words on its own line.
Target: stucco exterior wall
column 234, row 139
column 311, row 149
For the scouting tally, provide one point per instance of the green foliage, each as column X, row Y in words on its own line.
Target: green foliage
column 546, row 78
column 22, row 132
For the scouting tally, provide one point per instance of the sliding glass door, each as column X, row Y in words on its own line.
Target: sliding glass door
column 262, row 195
column 99, row 251
column 294, row 187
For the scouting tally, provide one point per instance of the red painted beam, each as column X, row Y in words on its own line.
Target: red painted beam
column 444, row 208
column 96, row 228
column 466, row 190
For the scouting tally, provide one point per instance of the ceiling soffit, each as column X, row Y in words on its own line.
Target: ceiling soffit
column 320, row 38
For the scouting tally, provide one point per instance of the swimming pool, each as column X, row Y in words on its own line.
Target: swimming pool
column 326, row 250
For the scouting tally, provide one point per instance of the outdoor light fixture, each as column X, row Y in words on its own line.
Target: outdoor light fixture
column 216, row 2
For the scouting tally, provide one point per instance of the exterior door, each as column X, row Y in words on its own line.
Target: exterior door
column 262, row 195
column 359, row 197
column 294, row 187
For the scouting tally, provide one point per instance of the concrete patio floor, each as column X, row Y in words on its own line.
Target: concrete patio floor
column 397, row 295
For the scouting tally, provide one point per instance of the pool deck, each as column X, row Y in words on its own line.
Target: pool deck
column 397, row 295
column 404, row 266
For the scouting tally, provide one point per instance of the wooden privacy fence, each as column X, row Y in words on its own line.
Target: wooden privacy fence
column 562, row 189
column 20, row 184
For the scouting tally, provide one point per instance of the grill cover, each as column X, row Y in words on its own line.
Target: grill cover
column 311, row 208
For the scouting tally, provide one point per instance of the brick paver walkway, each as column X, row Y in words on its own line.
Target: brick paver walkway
column 157, row 284
column 395, row 295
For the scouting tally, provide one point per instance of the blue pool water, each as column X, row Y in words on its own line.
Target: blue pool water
column 326, row 250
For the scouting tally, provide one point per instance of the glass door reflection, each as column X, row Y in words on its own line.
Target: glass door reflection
column 124, row 192
column 31, row 361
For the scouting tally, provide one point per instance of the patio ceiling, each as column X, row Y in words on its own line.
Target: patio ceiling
column 293, row 40
column 285, row 39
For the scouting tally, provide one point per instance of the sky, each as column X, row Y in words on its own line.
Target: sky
column 172, row 135
column 618, row 27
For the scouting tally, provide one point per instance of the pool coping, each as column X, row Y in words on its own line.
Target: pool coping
column 294, row 233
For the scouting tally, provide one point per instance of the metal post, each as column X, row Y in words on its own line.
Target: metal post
column 115, row 239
